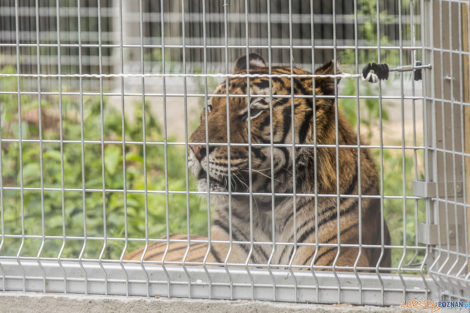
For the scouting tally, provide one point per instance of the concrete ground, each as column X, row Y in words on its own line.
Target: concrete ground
column 32, row 303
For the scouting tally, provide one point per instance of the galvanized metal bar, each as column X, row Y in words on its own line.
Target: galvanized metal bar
column 206, row 122
column 82, row 152
column 229, row 144
column 103, row 151
column 41, row 153
column 359, row 156
column 242, row 283
column 403, row 156
column 20, row 134
column 292, row 129
column 381, row 149
column 165, row 153
column 271, row 150
column 465, row 118
column 144, row 140
column 119, row 23
column 250, row 164
column 315, row 148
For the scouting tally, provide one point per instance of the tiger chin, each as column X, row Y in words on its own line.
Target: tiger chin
column 265, row 180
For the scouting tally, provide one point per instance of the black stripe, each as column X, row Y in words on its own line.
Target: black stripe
column 341, row 233
column 291, row 214
column 216, row 255
column 349, row 191
column 265, row 122
column 226, row 229
column 280, row 102
column 325, row 253
column 322, row 213
column 352, row 185
column 257, row 152
column 240, row 217
column 262, row 84
column 305, row 125
column 299, row 88
column 367, row 155
column 309, row 231
column 309, row 220
column 279, row 81
column 265, row 140
column 286, row 114
column 306, row 260
column 243, row 246
column 286, row 155
column 287, row 220
column 331, row 238
column 333, row 216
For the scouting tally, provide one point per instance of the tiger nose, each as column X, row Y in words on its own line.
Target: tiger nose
column 199, row 151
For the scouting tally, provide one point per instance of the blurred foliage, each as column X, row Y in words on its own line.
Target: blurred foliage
column 93, row 213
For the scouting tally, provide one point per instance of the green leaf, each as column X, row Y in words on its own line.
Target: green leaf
column 134, row 157
column 112, row 158
column 31, row 173
column 52, row 154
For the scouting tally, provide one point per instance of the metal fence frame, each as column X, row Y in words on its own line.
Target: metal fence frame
column 444, row 189
column 447, row 111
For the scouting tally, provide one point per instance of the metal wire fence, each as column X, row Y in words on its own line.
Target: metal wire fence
column 142, row 154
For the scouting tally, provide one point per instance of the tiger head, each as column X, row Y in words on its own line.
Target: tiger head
column 237, row 136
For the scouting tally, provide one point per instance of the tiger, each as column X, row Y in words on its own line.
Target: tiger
column 285, row 189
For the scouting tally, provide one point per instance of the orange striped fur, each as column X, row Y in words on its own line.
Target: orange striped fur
column 316, row 170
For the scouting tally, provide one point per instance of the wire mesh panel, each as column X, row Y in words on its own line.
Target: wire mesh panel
column 302, row 151
column 447, row 117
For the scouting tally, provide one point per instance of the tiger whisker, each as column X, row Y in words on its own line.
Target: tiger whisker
column 240, row 180
column 262, row 174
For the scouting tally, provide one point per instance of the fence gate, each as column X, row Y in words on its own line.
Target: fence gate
column 98, row 100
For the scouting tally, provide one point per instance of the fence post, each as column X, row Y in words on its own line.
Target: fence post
column 447, row 169
column 466, row 75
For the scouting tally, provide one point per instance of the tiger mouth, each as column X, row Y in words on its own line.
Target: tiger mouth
column 221, row 183
column 202, row 175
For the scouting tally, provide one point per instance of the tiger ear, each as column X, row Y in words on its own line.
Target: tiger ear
column 255, row 60
column 327, row 84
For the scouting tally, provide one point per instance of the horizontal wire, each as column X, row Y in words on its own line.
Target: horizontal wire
column 201, row 95
column 198, row 75
column 220, row 46
column 233, row 193
column 223, row 144
column 197, row 241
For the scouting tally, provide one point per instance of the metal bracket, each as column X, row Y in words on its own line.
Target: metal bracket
column 429, row 234
column 426, row 189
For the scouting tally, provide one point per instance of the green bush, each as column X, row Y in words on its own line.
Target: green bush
column 70, row 212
